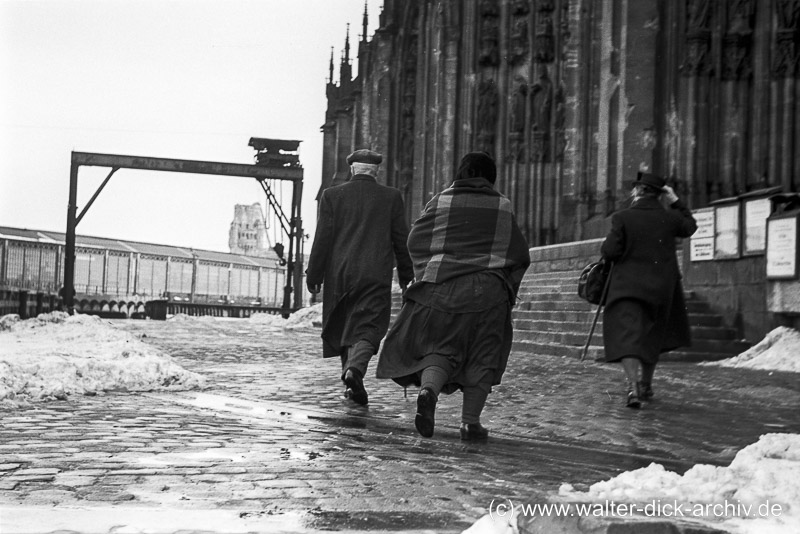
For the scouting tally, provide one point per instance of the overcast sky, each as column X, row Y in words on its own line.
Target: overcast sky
column 175, row 79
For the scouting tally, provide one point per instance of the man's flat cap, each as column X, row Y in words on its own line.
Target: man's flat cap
column 364, row 156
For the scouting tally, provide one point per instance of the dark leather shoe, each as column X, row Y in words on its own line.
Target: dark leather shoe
column 426, row 408
column 473, row 432
column 632, row 399
column 355, row 387
column 645, row 391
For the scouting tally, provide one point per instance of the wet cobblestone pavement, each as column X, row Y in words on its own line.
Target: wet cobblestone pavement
column 272, row 435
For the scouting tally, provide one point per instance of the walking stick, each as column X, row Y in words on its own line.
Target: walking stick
column 597, row 313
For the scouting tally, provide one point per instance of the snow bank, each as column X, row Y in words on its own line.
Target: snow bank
column 757, row 492
column 56, row 355
column 778, row 351
column 185, row 318
column 304, row 318
column 268, row 320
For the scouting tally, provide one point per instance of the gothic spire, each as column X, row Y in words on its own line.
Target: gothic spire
column 330, row 68
column 347, row 45
column 364, row 23
column 346, row 70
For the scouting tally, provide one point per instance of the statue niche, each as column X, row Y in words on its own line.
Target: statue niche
column 518, row 41
column 487, row 115
column 408, row 105
column 737, row 61
column 545, row 33
column 516, row 120
column 489, row 49
column 698, row 39
column 541, row 110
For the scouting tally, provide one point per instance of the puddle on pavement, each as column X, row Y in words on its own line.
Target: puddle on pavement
column 387, row 521
column 299, row 455
column 102, row 520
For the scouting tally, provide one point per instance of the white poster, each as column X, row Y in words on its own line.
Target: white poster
column 782, row 248
column 705, row 223
column 755, row 225
column 726, row 224
column 701, row 249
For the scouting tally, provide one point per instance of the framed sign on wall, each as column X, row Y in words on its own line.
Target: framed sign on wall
column 726, row 231
column 782, row 258
column 701, row 245
column 756, row 212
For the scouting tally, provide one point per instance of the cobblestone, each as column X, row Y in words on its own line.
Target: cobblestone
column 273, row 432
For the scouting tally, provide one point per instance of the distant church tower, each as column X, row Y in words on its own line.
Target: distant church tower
column 248, row 235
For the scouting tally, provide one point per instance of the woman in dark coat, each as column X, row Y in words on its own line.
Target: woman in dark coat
column 454, row 329
column 644, row 312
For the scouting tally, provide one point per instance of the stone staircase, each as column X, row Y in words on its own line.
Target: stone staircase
column 551, row 319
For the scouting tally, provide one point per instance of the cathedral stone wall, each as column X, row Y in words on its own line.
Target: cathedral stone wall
column 572, row 98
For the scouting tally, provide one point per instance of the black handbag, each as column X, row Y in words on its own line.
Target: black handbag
column 593, row 280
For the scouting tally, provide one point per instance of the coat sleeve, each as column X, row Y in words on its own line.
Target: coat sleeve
column 323, row 239
column 522, row 259
column 687, row 225
column 405, row 269
column 614, row 245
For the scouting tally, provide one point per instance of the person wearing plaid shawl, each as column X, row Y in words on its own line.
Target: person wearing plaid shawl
column 454, row 329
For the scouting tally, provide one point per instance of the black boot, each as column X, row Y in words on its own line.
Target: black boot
column 473, row 432
column 426, row 408
column 355, row 387
column 633, row 398
column 645, row 390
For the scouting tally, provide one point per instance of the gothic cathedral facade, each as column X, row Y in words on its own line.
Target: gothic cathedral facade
column 572, row 98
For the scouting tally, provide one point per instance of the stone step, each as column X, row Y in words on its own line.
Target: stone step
column 533, row 348
column 582, row 316
column 549, row 325
column 704, row 319
column 596, row 352
column 585, row 316
column 729, row 347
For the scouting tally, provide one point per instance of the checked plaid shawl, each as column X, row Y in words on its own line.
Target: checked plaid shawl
column 468, row 227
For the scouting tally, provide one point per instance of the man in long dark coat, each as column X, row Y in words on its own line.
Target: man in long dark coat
column 361, row 232
column 644, row 312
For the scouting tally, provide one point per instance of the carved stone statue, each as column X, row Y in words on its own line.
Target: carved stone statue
column 516, row 119
column 698, row 14
column 489, row 53
column 487, row 114
column 541, row 109
column 545, row 40
column 518, row 41
column 542, row 102
column 516, row 114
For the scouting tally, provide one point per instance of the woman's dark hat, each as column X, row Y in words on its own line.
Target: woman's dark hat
column 653, row 180
column 364, row 156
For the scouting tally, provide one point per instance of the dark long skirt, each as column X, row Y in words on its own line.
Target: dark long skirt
column 632, row 328
column 462, row 326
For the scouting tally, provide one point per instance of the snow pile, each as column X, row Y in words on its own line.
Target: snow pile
column 303, row 318
column 55, row 355
column 268, row 320
column 185, row 318
column 778, row 351
column 757, row 492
